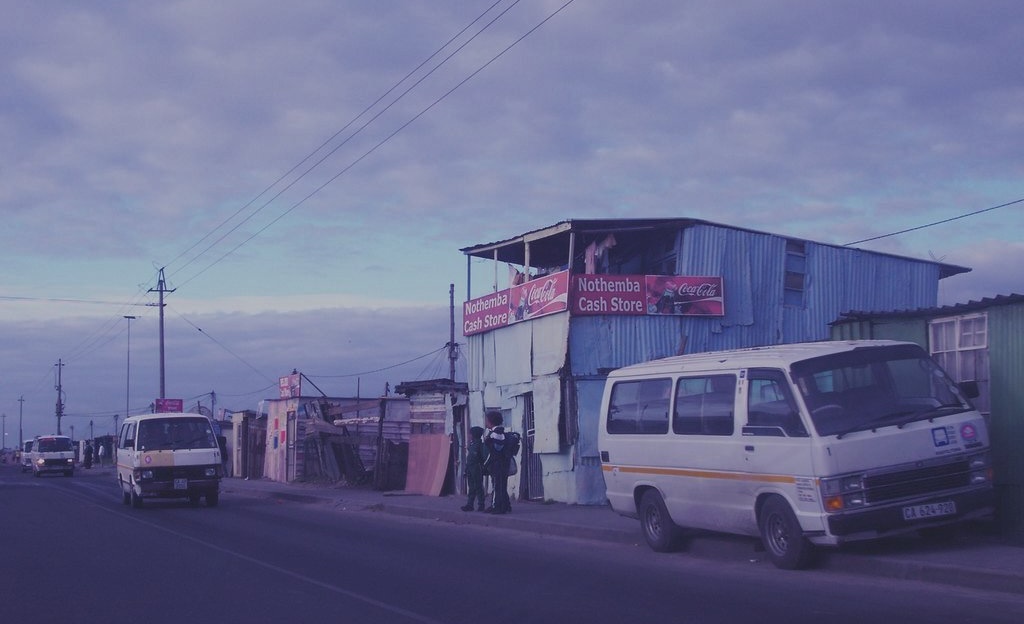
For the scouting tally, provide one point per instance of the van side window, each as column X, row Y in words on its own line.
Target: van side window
column 127, row 435
column 771, row 410
column 704, row 405
column 639, row 406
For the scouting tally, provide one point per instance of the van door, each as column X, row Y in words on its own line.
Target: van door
column 706, row 450
column 776, row 446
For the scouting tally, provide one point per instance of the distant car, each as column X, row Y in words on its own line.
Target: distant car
column 26, row 455
column 53, row 453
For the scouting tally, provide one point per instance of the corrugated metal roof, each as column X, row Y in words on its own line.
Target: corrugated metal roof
column 549, row 245
column 946, row 310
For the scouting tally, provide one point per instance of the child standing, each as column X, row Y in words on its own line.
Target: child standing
column 476, row 455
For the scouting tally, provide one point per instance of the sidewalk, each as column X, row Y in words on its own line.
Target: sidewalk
column 973, row 559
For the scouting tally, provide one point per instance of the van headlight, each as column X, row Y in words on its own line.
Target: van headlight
column 40, row 462
column 143, row 475
column 211, row 471
column 980, row 467
column 839, row 493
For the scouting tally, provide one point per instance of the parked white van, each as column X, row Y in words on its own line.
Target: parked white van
column 168, row 455
column 816, row 443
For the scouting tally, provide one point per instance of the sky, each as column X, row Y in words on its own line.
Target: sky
column 306, row 172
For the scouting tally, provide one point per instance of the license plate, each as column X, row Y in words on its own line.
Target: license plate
column 931, row 510
column 181, row 484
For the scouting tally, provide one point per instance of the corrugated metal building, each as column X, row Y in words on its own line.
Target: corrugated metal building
column 287, row 427
column 979, row 341
column 588, row 296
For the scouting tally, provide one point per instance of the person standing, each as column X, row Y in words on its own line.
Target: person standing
column 101, row 452
column 497, row 461
column 476, row 456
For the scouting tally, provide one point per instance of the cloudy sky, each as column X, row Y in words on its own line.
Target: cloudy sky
column 307, row 171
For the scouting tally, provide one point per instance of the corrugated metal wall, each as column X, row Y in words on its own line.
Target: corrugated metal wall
column 753, row 266
column 1006, row 364
column 908, row 329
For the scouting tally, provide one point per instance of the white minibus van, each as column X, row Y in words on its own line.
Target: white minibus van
column 801, row 444
column 168, row 455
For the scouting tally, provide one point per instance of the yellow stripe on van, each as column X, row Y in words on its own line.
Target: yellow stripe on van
column 701, row 474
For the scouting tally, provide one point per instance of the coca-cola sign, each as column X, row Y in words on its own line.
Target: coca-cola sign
column 685, row 295
column 675, row 295
column 548, row 294
column 632, row 295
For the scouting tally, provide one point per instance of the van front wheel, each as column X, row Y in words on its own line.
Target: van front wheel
column 782, row 536
column 134, row 498
column 661, row 533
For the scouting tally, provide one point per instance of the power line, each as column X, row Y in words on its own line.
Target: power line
column 928, row 225
column 223, row 346
column 331, row 138
column 390, row 136
column 379, row 370
column 66, row 300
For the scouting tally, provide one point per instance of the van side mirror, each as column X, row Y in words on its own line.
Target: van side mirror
column 969, row 389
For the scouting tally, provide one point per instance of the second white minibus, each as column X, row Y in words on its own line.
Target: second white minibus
column 802, row 444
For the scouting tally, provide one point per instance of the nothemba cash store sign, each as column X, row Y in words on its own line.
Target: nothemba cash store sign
column 595, row 294
column 672, row 295
column 540, row 296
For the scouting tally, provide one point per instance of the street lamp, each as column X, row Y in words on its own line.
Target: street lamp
column 128, row 374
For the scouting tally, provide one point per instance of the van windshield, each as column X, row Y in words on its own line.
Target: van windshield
column 176, row 434
column 54, row 445
column 873, row 387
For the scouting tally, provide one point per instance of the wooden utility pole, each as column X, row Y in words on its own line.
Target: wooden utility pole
column 452, row 351
column 161, row 287
column 21, row 435
column 60, row 395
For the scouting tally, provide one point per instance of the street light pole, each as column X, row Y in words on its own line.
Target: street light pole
column 128, row 374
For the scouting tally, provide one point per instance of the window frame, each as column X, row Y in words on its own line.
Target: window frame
column 953, row 358
column 702, row 417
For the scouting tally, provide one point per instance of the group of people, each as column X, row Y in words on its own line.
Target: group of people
column 487, row 454
column 99, row 454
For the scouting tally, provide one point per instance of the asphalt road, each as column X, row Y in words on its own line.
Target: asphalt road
column 70, row 551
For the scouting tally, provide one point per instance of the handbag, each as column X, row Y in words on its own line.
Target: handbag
column 513, row 467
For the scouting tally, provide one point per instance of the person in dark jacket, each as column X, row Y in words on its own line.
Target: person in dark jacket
column 476, row 456
column 497, row 461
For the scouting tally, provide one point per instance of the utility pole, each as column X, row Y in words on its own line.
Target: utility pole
column 60, row 395
column 21, row 407
column 452, row 355
column 128, row 375
column 161, row 287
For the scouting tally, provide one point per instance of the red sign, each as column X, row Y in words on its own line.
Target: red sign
column 169, row 405
column 609, row 294
column 639, row 295
column 538, row 297
column 674, row 295
column 290, row 386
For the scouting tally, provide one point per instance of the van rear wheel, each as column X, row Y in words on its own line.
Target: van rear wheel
column 782, row 536
column 661, row 533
